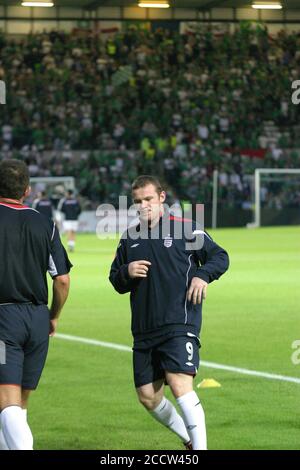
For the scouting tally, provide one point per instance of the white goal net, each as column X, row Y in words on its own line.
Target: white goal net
column 277, row 197
column 55, row 187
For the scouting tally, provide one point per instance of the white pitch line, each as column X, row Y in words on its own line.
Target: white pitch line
column 94, row 342
column 256, row 373
column 211, row 365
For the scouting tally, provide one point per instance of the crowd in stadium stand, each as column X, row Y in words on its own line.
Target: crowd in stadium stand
column 105, row 109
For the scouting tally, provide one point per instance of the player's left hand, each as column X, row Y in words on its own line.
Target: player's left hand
column 197, row 290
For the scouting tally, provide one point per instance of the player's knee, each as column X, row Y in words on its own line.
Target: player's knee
column 25, row 398
column 10, row 395
column 179, row 387
column 150, row 402
column 178, row 390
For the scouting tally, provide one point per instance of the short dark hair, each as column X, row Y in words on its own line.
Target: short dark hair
column 144, row 180
column 14, row 178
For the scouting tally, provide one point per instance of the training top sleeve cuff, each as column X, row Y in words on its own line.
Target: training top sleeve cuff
column 203, row 275
column 124, row 274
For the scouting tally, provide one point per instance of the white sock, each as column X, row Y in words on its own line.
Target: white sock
column 15, row 429
column 194, row 419
column 24, row 410
column 166, row 414
column 3, row 445
column 71, row 243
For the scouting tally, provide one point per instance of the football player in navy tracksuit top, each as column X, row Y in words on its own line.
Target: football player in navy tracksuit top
column 43, row 205
column 71, row 209
column 29, row 247
column 166, row 263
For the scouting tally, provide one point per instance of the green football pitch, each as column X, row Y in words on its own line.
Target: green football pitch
column 86, row 397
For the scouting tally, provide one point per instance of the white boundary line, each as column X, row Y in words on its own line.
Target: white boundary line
column 211, row 365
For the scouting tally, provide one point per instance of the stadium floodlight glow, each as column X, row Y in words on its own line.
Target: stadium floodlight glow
column 267, row 5
column 154, row 4
column 37, row 4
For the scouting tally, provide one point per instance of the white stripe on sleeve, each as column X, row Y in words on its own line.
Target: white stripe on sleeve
column 52, row 270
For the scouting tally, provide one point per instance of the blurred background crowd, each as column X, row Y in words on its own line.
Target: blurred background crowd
column 175, row 105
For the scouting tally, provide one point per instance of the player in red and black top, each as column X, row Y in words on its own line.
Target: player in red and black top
column 29, row 247
column 166, row 263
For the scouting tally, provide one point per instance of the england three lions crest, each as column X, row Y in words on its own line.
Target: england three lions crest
column 168, row 241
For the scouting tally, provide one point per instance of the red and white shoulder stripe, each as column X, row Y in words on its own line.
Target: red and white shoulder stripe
column 18, row 207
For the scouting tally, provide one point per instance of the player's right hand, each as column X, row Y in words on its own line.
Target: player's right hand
column 138, row 268
column 53, row 326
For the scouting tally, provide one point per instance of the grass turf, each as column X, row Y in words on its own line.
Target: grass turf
column 86, row 397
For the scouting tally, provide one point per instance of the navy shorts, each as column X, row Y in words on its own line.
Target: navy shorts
column 24, row 340
column 176, row 354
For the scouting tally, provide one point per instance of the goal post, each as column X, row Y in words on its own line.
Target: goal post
column 52, row 185
column 215, row 199
column 257, row 188
column 55, row 188
column 67, row 181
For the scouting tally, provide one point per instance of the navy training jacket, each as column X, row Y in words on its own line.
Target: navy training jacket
column 178, row 251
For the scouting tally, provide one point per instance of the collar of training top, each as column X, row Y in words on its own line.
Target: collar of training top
column 11, row 203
